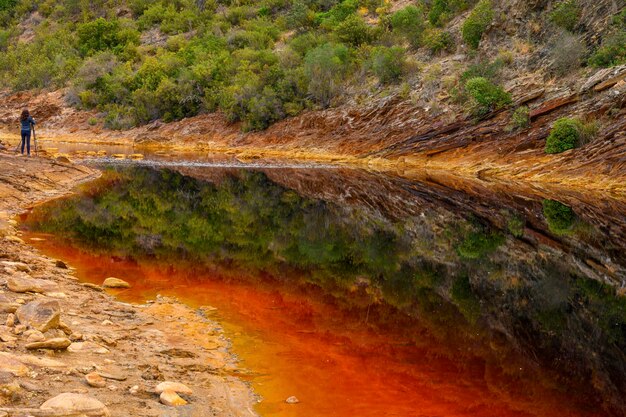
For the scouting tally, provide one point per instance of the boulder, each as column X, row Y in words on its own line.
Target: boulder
column 173, row 386
column 171, row 398
column 70, row 404
column 21, row 283
column 115, row 283
column 41, row 315
column 57, row 343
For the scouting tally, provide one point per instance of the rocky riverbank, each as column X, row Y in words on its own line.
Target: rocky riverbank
column 71, row 349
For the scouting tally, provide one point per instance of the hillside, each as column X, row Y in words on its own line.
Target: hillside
column 450, row 84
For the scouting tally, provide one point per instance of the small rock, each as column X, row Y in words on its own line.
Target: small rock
column 13, row 239
column 34, row 336
column 133, row 390
column 7, row 338
column 292, row 400
column 93, row 286
column 10, row 320
column 115, row 283
column 57, row 343
column 107, row 323
column 95, row 380
column 171, row 398
column 68, row 404
column 173, row 386
column 60, row 264
column 40, row 315
column 63, row 159
column 85, row 347
column 19, row 329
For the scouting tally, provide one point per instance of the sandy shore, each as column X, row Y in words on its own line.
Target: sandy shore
column 76, row 344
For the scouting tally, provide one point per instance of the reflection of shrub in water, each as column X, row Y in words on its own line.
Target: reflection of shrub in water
column 561, row 219
column 464, row 298
column 480, row 243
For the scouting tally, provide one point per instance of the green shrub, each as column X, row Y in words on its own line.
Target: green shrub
column 486, row 96
column 521, row 117
column 566, row 14
column 409, row 22
column 438, row 40
column 300, row 17
column 567, row 52
column 561, row 219
column 119, row 117
column 354, row 31
column 325, row 67
column 7, row 5
column 442, row 10
column 612, row 51
column 92, row 121
column 388, row 63
column 337, row 14
column 101, row 35
column 476, row 23
column 564, row 135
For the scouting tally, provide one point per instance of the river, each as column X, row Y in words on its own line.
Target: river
column 370, row 294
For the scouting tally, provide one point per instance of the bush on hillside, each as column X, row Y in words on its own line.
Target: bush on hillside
column 325, row 67
column 354, row 31
column 486, row 96
column 567, row 53
column 101, row 34
column 612, row 51
column 564, row 135
column 442, row 10
column 566, row 15
column 437, row 40
column 409, row 22
column 521, row 117
column 476, row 23
column 300, row 17
column 388, row 63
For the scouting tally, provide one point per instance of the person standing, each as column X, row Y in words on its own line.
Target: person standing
column 27, row 123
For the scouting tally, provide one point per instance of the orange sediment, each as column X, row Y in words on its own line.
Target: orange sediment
column 294, row 342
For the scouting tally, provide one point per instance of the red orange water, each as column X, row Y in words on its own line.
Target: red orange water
column 296, row 343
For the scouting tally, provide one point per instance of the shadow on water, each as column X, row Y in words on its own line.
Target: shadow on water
column 372, row 294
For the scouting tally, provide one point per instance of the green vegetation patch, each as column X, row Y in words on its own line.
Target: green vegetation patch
column 564, row 135
column 486, row 96
column 477, row 23
column 561, row 219
column 566, row 14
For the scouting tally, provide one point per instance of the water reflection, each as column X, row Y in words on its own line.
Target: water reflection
column 515, row 295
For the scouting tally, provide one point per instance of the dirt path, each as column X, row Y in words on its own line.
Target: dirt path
column 56, row 333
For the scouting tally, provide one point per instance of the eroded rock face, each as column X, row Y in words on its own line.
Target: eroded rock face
column 40, row 315
column 69, row 404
